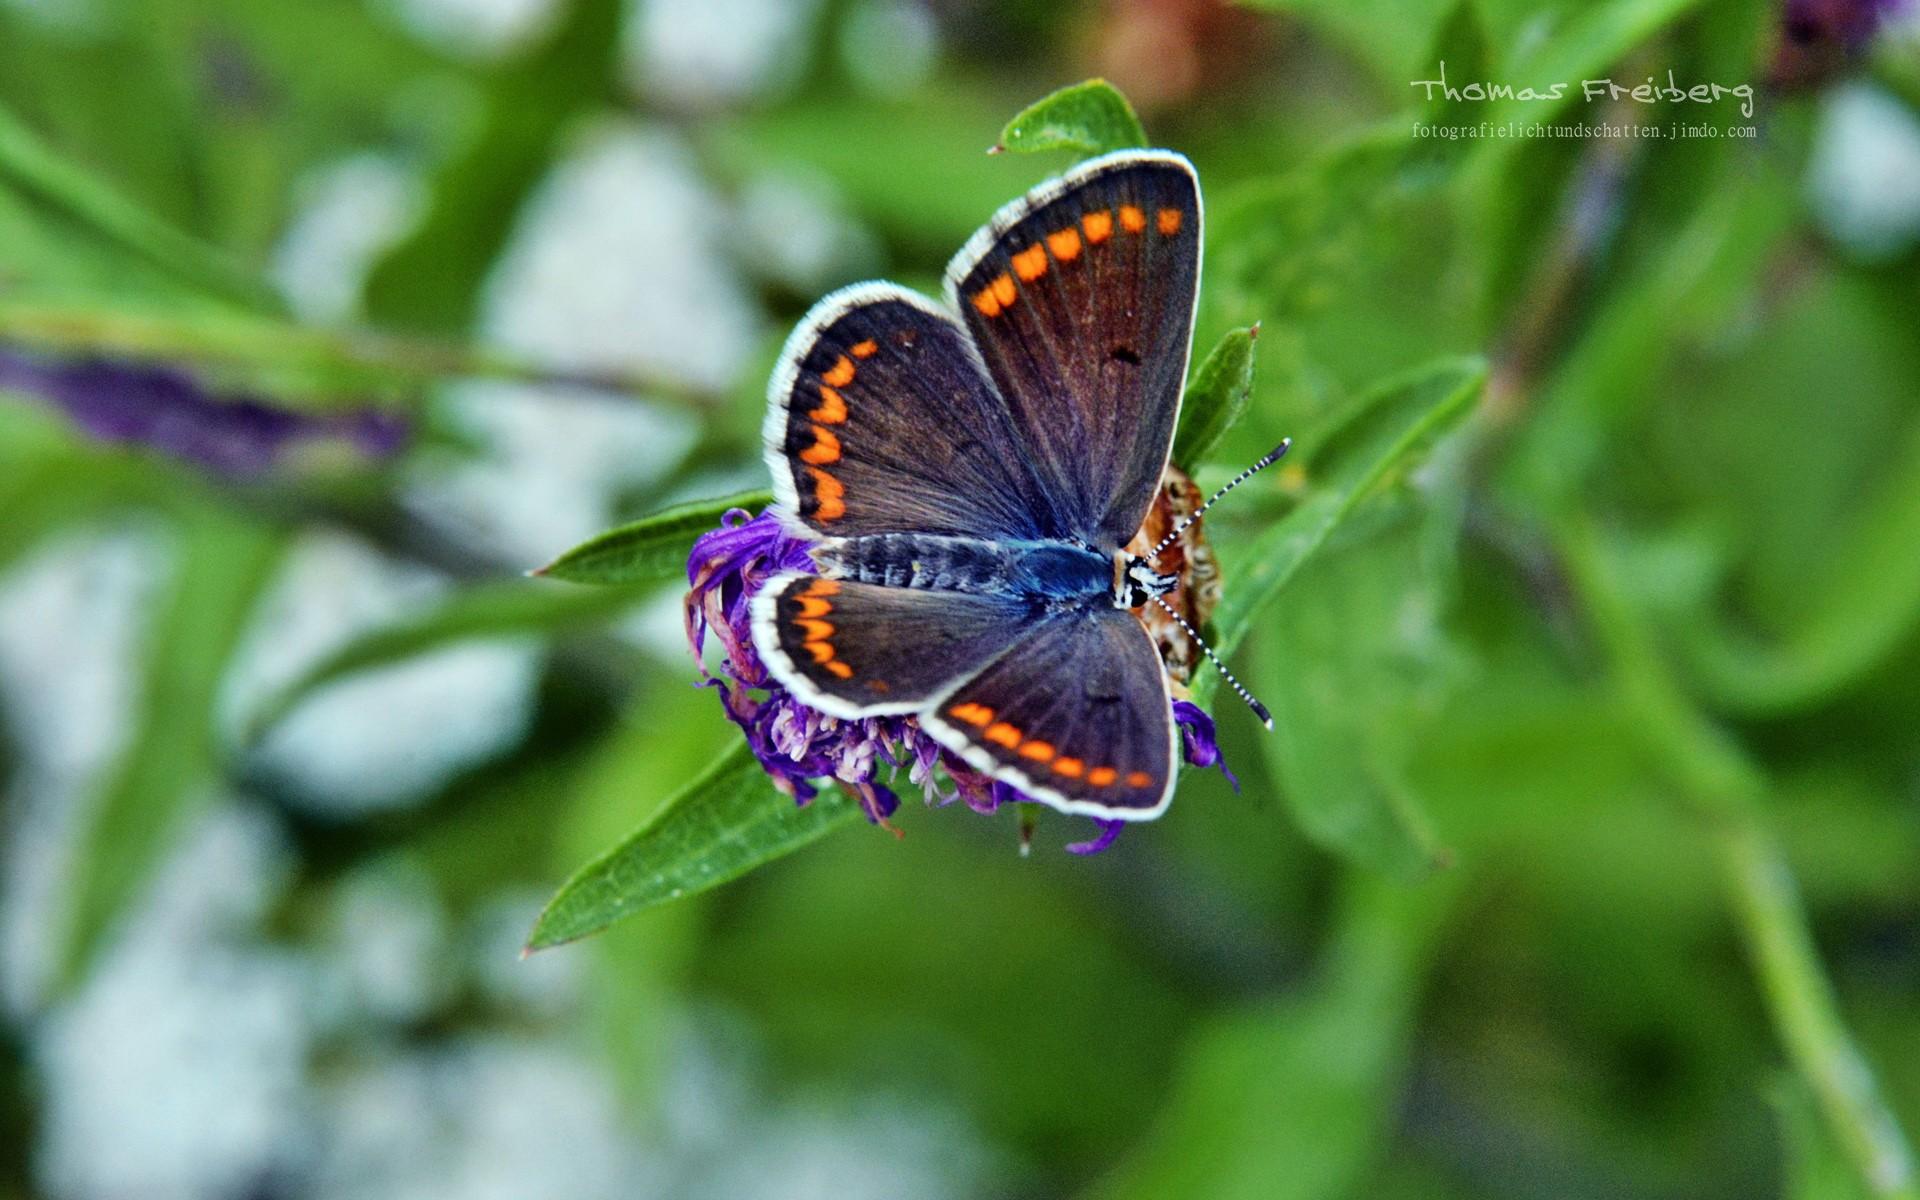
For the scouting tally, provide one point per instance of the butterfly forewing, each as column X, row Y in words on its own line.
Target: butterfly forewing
column 1080, row 298
column 880, row 421
column 857, row 649
column 1075, row 714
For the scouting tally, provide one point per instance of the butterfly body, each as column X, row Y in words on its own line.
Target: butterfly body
column 1039, row 570
column 971, row 471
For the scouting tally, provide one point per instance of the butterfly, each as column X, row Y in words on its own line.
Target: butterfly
column 970, row 473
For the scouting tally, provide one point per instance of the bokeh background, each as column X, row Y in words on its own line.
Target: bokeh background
column 320, row 322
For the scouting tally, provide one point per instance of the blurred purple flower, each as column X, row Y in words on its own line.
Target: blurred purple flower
column 165, row 408
column 797, row 744
column 1818, row 39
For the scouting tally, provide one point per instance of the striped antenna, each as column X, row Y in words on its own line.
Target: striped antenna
column 1180, row 526
column 1259, row 709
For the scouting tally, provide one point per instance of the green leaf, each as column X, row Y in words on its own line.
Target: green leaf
column 1355, row 664
column 1815, row 1167
column 1610, row 376
column 650, row 549
column 432, row 280
column 30, row 168
column 717, row 828
column 1089, row 118
column 169, row 767
column 1216, row 398
column 1857, row 612
column 1294, row 1100
column 1390, row 36
column 1278, row 243
column 1382, row 434
column 487, row 611
column 1574, row 43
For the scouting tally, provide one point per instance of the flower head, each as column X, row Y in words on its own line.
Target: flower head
column 797, row 744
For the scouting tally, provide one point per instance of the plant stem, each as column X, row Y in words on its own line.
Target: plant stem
column 269, row 344
column 1721, row 786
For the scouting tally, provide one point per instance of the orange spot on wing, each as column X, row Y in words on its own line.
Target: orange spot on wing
column 1002, row 734
column 832, row 410
column 879, row 685
column 1065, row 244
column 821, row 651
column 1132, row 219
column 1004, row 291
column 1099, row 226
column 841, row 373
column 1139, row 779
column 1168, row 221
column 828, row 495
column 813, row 606
column 815, row 631
column 840, row 669
column 1070, row 767
column 1037, row 750
column 971, row 713
column 984, row 301
column 864, row 350
column 1102, row 776
column 1031, row 263
column 825, row 448
column 823, row 587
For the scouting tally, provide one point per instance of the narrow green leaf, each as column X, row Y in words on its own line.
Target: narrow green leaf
column 1091, row 118
column 1383, row 433
column 168, row 767
column 29, row 166
column 650, row 549
column 1815, row 1167
column 487, row 611
column 717, row 828
column 432, row 280
column 1216, row 398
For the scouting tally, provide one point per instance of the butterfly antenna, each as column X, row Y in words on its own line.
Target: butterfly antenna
column 1180, row 526
column 1259, row 709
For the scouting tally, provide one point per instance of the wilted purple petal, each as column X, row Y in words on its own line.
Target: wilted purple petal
column 1198, row 740
column 168, row 410
column 1109, row 830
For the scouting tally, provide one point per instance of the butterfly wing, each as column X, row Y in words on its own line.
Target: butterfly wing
column 861, row 650
column 1075, row 714
column 880, row 420
column 1080, row 297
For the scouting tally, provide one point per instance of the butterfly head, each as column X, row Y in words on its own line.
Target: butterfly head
column 1136, row 582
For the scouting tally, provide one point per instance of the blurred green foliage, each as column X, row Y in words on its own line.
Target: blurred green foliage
column 1584, row 859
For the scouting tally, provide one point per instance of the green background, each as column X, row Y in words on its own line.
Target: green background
column 1582, row 862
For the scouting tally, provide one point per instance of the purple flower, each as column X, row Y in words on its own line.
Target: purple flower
column 797, row 744
column 167, row 409
column 1818, row 39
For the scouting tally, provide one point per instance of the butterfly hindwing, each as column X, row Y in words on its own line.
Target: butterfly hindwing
column 1080, row 298
column 858, row 649
column 1076, row 714
column 880, row 421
